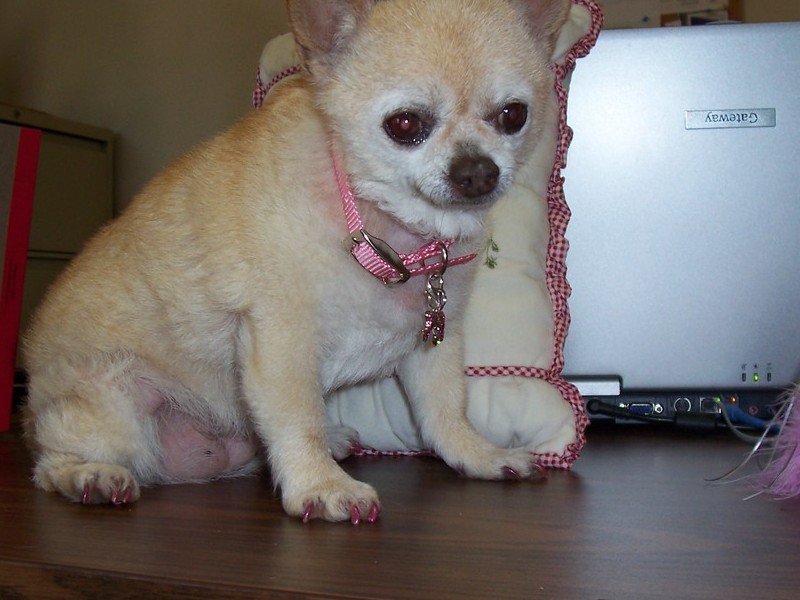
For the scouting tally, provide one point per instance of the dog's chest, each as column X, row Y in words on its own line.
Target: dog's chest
column 367, row 330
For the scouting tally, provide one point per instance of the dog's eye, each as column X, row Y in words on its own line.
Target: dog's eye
column 407, row 128
column 511, row 118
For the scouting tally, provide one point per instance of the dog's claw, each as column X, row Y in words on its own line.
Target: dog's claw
column 537, row 472
column 372, row 515
column 309, row 510
column 120, row 497
column 374, row 512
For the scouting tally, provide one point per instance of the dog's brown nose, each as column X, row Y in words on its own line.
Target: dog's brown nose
column 474, row 176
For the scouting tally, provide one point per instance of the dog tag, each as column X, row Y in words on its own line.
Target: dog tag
column 434, row 316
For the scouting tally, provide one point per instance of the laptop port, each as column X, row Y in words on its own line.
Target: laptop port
column 710, row 405
column 683, row 405
column 641, row 408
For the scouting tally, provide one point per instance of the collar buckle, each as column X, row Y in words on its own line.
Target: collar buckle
column 384, row 252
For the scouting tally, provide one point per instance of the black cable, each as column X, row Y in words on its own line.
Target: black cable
column 598, row 407
column 683, row 420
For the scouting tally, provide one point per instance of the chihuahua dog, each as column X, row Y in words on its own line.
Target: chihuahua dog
column 197, row 335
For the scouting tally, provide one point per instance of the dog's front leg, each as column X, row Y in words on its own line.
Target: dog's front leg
column 433, row 378
column 280, row 381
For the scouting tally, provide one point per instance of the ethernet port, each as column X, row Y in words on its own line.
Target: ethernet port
column 710, row 405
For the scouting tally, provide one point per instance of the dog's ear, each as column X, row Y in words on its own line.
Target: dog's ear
column 323, row 27
column 545, row 18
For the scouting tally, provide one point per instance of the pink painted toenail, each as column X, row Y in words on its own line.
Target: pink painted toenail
column 374, row 511
column 355, row 515
column 309, row 510
column 87, row 490
column 510, row 473
column 542, row 471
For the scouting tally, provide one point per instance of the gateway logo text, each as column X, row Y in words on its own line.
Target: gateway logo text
column 730, row 118
column 723, row 117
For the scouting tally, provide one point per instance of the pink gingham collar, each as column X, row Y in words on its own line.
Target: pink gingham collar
column 376, row 256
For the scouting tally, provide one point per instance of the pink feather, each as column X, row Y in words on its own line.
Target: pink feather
column 781, row 476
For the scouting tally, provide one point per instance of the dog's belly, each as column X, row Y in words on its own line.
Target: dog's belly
column 203, row 431
column 193, row 452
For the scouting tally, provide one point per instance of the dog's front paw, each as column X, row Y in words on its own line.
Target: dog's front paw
column 516, row 463
column 336, row 499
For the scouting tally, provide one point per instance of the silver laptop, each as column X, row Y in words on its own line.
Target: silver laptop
column 684, row 183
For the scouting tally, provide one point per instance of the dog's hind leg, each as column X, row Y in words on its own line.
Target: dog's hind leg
column 93, row 446
column 85, row 482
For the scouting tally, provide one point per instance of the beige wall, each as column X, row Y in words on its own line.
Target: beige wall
column 764, row 11
column 162, row 74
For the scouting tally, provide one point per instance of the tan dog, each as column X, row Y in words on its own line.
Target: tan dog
column 204, row 327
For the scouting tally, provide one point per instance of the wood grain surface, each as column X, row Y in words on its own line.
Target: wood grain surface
column 635, row 518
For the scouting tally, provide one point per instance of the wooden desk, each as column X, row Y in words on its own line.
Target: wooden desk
column 635, row 519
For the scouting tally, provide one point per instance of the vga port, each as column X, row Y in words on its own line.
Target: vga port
column 641, row 408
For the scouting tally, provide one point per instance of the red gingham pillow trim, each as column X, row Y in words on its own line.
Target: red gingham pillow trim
column 262, row 89
column 555, row 269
